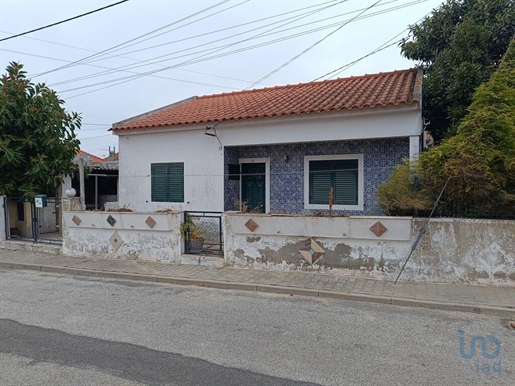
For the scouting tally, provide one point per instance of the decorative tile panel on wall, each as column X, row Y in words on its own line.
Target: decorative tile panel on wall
column 231, row 187
column 287, row 176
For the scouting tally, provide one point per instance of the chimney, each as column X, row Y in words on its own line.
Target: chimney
column 112, row 154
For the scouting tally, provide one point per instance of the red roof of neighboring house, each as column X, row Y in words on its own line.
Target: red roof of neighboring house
column 94, row 158
column 367, row 91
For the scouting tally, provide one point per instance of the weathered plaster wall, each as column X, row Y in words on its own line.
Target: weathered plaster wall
column 349, row 246
column 94, row 236
column 475, row 251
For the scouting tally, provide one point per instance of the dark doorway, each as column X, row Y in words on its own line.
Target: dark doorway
column 253, row 186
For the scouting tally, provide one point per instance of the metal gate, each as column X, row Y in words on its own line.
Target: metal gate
column 23, row 221
column 209, row 226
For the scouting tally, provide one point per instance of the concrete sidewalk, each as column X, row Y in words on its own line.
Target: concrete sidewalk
column 497, row 301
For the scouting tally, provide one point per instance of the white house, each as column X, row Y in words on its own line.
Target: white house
column 278, row 149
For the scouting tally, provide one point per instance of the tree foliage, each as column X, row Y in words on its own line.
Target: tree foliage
column 37, row 136
column 459, row 46
column 480, row 158
column 401, row 194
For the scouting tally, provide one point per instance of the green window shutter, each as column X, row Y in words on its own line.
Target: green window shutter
column 167, row 182
column 341, row 175
column 176, row 184
column 346, row 182
column 346, row 187
column 159, row 182
column 320, row 181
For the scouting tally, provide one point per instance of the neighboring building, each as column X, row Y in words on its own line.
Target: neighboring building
column 101, row 183
column 278, row 149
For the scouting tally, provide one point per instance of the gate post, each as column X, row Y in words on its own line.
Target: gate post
column 3, row 218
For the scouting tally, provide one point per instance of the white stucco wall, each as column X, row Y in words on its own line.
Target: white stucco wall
column 204, row 163
column 90, row 238
column 203, row 170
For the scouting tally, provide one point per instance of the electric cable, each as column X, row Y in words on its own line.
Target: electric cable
column 210, row 33
column 174, row 29
column 382, row 47
column 310, row 47
column 63, row 21
column 128, row 71
column 211, row 50
column 194, row 61
column 133, row 39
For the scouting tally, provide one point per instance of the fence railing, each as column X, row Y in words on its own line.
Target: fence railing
column 208, row 226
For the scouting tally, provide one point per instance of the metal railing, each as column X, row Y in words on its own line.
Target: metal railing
column 208, row 225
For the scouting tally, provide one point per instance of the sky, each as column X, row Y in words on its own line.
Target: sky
column 141, row 55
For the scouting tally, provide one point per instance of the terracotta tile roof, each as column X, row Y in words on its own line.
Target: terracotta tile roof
column 367, row 91
column 94, row 158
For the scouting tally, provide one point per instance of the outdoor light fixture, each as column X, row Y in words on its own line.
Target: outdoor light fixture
column 212, row 127
column 213, row 134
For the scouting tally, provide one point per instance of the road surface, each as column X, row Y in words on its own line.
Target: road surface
column 65, row 330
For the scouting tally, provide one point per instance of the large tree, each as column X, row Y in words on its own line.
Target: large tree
column 459, row 46
column 38, row 138
column 479, row 161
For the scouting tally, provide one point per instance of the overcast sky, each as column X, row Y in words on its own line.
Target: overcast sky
column 203, row 47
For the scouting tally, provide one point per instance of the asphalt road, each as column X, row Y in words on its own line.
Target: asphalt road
column 63, row 330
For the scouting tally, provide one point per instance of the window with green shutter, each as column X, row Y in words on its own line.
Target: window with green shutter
column 168, row 182
column 341, row 175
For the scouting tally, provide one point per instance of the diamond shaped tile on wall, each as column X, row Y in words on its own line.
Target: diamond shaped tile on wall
column 150, row 222
column 251, row 225
column 111, row 220
column 115, row 240
column 76, row 219
column 378, row 228
column 312, row 252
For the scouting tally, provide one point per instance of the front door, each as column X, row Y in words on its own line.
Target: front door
column 253, row 186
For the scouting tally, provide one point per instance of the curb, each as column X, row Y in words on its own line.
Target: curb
column 502, row 312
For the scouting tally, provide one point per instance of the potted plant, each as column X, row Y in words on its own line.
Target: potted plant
column 193, row 237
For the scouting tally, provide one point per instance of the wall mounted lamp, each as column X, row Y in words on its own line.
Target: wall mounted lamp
column 211, row 131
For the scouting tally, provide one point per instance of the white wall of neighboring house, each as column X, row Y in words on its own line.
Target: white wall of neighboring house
column 204, row 161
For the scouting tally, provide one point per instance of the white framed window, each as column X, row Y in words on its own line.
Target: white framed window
column 343, row 173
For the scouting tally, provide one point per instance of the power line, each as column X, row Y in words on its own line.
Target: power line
column 232, row 27
column 211, row 50
column 202, row 59
column 131, row 40
column 96, row 137
column 173, row 29
column 218, row 48
column 111, row 56
column 116, row 70
column 382, row 47
column 310, row 47
column 63, row 21
column 126, row 79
